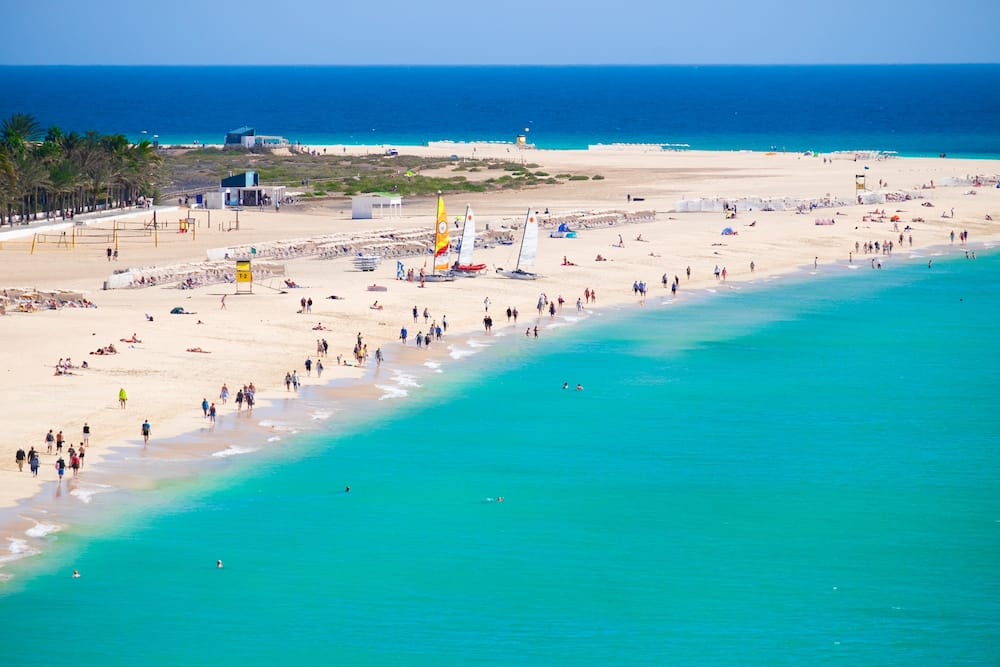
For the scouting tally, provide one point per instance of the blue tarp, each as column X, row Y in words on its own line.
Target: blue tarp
column 728, row 231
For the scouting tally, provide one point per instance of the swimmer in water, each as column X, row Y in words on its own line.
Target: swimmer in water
column 76, row 574
column 579, row 387
column 347, row 489
column 218, row 564
column 499, row 499
column 565, row 385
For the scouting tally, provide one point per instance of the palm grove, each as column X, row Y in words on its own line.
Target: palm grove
column 46, row 173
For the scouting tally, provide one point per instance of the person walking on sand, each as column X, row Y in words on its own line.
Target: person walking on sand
column 204, row 407
column 86, row 433
column 19, row 459
column 224, row 393
column 222, row 304
column 211, row 413
column 50, row 440
column 34, row 464
column 146, row 429
column 61, row 468
column 122, row 397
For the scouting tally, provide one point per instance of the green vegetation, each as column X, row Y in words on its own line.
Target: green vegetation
column 579, row 177
column 50, row 171
column 344, row 175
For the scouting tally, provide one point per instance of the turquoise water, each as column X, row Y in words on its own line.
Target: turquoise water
column 802, row 473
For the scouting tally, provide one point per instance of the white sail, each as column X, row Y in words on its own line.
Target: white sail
column 468, row 239
column 529, row 242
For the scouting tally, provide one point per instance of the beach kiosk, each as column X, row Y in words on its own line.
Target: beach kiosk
column 363, row 207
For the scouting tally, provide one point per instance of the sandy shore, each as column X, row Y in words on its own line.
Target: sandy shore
column 259, row 337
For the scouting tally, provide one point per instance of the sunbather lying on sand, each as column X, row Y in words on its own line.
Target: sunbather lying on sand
column 198, row 349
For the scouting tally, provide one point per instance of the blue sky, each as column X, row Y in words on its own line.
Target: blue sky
column 252, row 32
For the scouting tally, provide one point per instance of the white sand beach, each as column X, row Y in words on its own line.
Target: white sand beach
column 631, row 217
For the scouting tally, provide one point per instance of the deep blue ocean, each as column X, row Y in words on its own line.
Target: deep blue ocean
column 793, row 472
column 913, row 109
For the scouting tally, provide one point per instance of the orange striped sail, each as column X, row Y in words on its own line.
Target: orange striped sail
column 441, row 240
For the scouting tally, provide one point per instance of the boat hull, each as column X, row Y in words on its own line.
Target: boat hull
column 518, row 275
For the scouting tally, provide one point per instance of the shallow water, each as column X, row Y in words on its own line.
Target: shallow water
column 802, row 473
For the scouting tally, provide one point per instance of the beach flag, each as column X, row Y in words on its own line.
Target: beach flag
column 400, row 271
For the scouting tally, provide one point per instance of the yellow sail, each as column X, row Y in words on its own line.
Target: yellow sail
column 441, row 240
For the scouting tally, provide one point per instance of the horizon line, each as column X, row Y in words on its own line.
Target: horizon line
column 452, row 65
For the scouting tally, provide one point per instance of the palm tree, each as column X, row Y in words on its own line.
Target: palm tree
column 18, row 132
column 70, row 170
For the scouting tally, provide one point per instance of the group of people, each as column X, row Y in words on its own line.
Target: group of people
column 65, row 366
column 54, row 443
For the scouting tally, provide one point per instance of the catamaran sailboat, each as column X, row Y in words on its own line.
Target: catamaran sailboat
column 440, row 269
column 464, row 265
column 529, row 249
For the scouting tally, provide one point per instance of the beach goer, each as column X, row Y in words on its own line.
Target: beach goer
column 122, row 397
column 378, row 356
column 402, row 335
column 211, row 413
column 61, row 468
column 50, row 440
column 146, row 430
column 222, row 304
column 60, row 439
column 288, row 381
column 579, row 387
column 414, row 314
column 86, row 433
column 218, row 564
column 224, row 394
column 34, row 463
column 565, row 385
column 76, row 574
column 204, row 406
column 295, row 380
column 19, row 459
